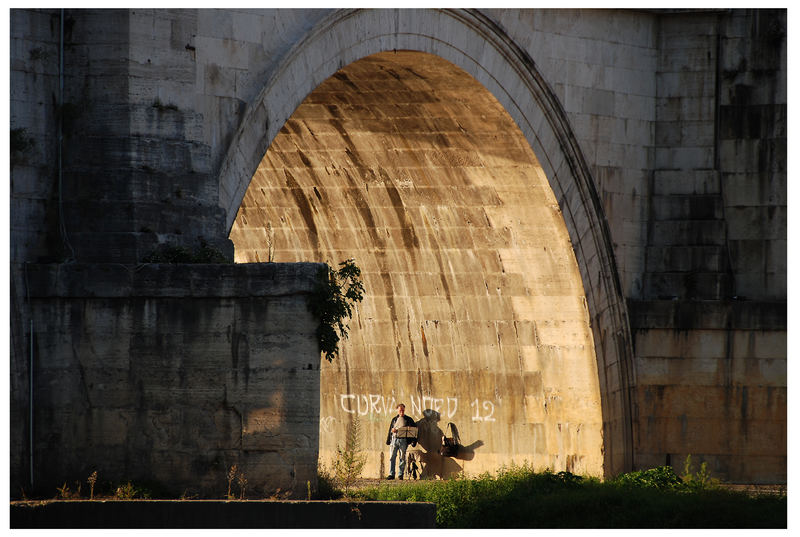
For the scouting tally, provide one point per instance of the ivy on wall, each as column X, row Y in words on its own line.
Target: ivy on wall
column 332, row 301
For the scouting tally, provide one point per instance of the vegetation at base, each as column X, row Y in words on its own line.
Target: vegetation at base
column 122, row 490
column 129, row 491
column 350, row 459
column 697, row 480
column 327, row 489
column 518, row 497
column 332, row 301
column 234, row 475
column 661, row 478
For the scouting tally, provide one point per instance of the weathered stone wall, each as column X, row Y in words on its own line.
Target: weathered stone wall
column 34, row 150
column 710, row 334
column 601, row 64
column 661, row 133
column 34, row 60
column 171, row 374
column 752, row 150
column 712, row 384
column 133, row 167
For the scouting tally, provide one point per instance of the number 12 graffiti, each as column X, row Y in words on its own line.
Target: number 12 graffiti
column 488, row 406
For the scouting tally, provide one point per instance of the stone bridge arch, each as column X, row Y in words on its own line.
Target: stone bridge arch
column 481, row 48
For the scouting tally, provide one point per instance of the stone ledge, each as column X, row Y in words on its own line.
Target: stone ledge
column 114, row 280
column 221, row 514
column 707, row 314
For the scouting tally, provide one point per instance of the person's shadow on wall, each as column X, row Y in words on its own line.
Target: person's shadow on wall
column 429, row 437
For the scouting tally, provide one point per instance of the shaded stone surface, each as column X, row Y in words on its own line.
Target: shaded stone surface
column 173, row 374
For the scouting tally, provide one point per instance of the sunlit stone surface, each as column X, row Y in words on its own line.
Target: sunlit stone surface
column 474, row 311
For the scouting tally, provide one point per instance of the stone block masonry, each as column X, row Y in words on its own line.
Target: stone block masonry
column 171, row 374
column 710, row 326
column 712, row 384
column 661, row 134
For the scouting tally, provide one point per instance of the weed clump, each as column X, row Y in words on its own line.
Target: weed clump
column 234, row 475
column 92, row 480
column 350, row 459
column 125, row 492
column 699, row 480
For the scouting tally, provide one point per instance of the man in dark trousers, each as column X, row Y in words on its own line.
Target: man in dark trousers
column 399, row 444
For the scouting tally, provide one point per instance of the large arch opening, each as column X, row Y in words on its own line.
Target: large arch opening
column 475, row 311
column 477, row 45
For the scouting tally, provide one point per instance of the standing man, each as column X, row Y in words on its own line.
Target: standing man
column 399, row 443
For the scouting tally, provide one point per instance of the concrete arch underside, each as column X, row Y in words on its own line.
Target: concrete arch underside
column 544, row 217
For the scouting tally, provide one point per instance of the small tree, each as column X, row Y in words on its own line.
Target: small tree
column 350, row 460
column 331, row 302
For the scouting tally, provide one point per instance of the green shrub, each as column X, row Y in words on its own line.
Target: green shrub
column 661, row 478
column 519, row 497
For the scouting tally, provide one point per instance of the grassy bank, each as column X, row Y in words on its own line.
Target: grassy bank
column 521, row 498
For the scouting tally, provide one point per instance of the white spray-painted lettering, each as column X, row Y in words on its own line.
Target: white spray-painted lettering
column 327, row 423
column 371, row 404
column 488, row 411
column 363, row 397
column 342, row 398
column 451, row 410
